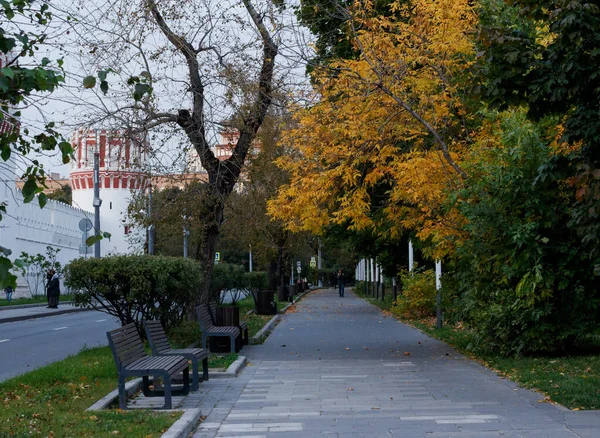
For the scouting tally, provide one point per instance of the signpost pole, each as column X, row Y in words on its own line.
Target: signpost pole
column 97, row 201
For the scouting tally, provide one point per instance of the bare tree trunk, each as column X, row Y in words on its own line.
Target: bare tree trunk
column 223, row 175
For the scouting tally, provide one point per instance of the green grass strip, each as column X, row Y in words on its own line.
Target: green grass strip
column 51, row 402
column 34, row 300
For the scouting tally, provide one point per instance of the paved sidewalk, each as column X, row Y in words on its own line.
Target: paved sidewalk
column 338, row 367
column 31, row 311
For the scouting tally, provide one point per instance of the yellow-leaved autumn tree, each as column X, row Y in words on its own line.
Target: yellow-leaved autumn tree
column 389, row 128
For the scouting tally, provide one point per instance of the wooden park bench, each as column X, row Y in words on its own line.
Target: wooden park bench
column 159, row 344
column 211, row 330
column 131, row 360
column 212, row 307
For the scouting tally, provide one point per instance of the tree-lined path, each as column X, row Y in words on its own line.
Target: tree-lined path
column 340, row 367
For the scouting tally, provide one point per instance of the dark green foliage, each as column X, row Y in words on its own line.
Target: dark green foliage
column 508, row 50
column 17, row 84
column 256, row 280
column 135, row 287
column 171, row 209
column 525, row 281
column 229, row 279
column 545, row 54
column 328, row 20
column 560, row 77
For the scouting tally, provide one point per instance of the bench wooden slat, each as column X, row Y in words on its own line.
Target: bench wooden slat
column 243, row 326
column 131, row 360
column 208, row 329
column 160, row 346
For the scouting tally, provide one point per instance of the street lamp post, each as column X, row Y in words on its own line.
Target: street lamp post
column 250, row 260
column 151, row 227
column 97, row 202
column 186, row 234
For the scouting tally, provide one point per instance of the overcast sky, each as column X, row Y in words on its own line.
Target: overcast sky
column 70, row 105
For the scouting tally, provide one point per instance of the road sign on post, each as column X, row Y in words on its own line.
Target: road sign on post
column 217, row 256
column 85, row 225
column 313, row 262
column 298, row 266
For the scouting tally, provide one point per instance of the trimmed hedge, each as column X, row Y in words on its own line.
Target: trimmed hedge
column 258, row 280
column 135, row 287
column 230, row 278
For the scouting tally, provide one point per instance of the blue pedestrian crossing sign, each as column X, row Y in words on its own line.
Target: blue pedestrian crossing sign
column 217, row 256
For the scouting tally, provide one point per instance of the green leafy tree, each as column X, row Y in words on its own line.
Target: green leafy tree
column 545, row 54
column 327, row 20
column 63, row 194
column 21, row 34
column 525, row 284
column 248, row 224
column 223, row 67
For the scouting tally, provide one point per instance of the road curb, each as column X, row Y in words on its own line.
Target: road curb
column 134, row 385
column 268, row 327
column 41, row 315
column 131, row 388
column 184, row 426
column 28, row 306
column 233, row 370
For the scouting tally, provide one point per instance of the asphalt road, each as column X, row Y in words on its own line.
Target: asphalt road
column 27, row 345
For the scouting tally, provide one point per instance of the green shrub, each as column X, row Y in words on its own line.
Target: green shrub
column 227, row 278
column 135, row 287
column 525, row 280
column 256, row 280
column 418, row 294
column 359, row 288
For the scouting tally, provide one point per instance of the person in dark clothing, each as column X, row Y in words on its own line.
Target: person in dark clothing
column 53, row 289
column 9, row 291
column 340, row 281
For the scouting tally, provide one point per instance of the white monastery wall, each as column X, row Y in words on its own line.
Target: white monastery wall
column 28, row 228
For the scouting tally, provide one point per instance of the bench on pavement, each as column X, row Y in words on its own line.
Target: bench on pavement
column 212, row 307
column 159, row 344
column 211, row 330
column 131, row 360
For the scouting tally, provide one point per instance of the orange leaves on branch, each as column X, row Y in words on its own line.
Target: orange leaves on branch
column 383, row 142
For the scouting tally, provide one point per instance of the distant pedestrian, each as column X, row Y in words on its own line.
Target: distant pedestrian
column 340, row 282
column 53, row 289
column 8, row 290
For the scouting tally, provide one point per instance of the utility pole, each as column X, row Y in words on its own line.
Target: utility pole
column 250, row 264
column 411, row 256
column 186, row 234
column 438, row 297
column 97, row 201
column 151, row 227
column 319, row 264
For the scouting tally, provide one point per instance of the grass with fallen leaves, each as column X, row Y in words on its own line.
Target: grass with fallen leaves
column 570, row 380
column 52, row 402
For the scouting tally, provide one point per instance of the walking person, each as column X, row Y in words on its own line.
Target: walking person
column 340, row 281
column 8, row 290
column 53, row 289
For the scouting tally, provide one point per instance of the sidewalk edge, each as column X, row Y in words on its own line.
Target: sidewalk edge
column 185, row 425
column 233, row 370
column 41, row 315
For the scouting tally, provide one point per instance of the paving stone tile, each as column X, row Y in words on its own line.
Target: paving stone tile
column 347, row 376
